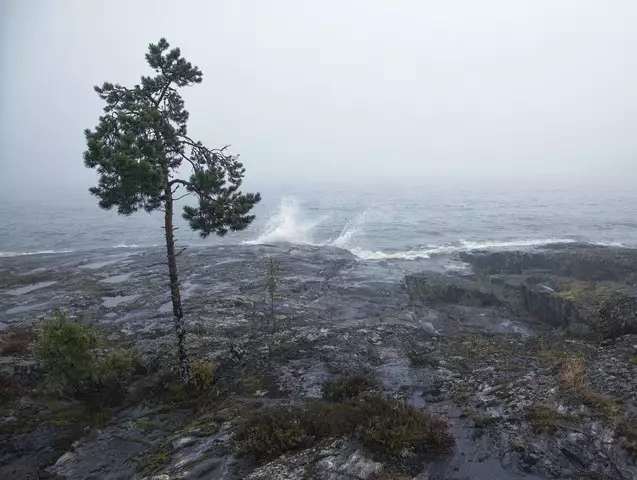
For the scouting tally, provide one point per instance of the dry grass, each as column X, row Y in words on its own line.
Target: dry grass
column 16, row 341
column 573, row 374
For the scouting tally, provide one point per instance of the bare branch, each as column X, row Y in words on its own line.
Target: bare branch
column 184, row 195
column 180, row 252
column 194, row 165
column 180, row 182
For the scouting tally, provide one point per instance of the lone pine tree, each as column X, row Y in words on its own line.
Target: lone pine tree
column 138, row 147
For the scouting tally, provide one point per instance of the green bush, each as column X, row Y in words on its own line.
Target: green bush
column 383, row 425
column 66, row 349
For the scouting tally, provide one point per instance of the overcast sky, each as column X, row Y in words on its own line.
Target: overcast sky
column 365, row 90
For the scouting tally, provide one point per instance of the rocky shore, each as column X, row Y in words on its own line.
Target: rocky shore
column 529, row 357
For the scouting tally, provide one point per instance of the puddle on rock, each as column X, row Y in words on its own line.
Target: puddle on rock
column 116, row 278
column 112, row 302
column 472, row 457
column 25, row 308
column 30, row 288
column 122, row 259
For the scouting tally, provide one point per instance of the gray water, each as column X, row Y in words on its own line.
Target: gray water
column 375, row 222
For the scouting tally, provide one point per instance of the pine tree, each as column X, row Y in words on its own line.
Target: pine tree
column 138, row 147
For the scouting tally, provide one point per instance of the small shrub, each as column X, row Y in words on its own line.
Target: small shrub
column 346, row 387
column 110, row 375
column 391, row 426
column 268, row 434
column 17, row 341
column 201, row 375
column 66, row 351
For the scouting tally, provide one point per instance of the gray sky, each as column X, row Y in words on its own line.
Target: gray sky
column 365, row 90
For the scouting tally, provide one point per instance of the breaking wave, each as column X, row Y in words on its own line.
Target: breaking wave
column 123, row 245
column 36, row 252
column 55, row 252
column 461, row 246
column 289, row 224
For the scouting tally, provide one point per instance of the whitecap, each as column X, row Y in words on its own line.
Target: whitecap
column 37, row 252
column 288, row 225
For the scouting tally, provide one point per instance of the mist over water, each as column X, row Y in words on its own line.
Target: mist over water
column 403, row 224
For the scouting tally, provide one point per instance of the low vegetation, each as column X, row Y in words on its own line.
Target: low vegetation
column 421, row 358
column 67, row 351
column 346, row 387
column 384, row 426
column 573, row 378
column 544, row 418
column 17, row 340
column 573, row 374
column 201, row 375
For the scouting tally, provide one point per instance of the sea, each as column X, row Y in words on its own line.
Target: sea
column 375, row 222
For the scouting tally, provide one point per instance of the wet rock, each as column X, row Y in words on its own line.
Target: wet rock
column 336, row 461
column 434, row 288
column 579, row 261
column 341, row 316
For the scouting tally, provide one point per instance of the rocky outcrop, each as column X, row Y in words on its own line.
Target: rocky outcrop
column 338, row 460
column 546, row 305
column 435, row 288
column 579, row 261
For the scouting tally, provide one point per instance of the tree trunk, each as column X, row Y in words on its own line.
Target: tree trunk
column 175, row 295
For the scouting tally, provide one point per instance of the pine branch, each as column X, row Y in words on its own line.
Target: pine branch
column 182, row 196
column 180, row 182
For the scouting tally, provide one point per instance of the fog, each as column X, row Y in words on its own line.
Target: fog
column 539, row 91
